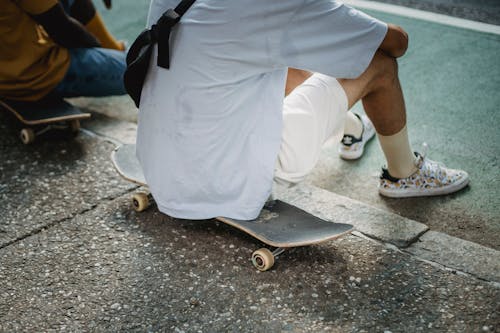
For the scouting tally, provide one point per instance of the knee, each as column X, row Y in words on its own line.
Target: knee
column 386, row 69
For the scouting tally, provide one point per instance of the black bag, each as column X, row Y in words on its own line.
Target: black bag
column 139, row 54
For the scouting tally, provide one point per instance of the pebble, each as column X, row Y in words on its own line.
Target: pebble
column 357, row 280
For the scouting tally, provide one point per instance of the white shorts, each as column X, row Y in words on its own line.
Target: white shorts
column 313, row 113
column 210, row 127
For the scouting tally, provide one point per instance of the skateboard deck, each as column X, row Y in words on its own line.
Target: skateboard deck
column 279, row 224
column 44, row 115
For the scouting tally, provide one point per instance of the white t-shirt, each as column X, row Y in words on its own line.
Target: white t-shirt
column 210, row 126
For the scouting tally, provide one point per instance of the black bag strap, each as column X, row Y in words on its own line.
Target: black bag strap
column 161, row 30
column 183, row 7
column 139, row 54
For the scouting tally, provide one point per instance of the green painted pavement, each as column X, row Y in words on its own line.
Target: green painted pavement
column 451, row 80
column 126, row 19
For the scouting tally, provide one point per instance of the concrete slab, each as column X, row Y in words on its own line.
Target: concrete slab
column 454, row 253
column 371, row 221
column 111, row 269
column 115, row 130
column 51, row 180
column 117, row 107
column 78, row 258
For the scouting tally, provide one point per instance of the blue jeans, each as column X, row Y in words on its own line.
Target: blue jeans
column 93, row 72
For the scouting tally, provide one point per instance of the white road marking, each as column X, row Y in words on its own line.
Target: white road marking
column 426, row 16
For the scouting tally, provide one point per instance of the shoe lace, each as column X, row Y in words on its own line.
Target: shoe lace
column 431, row 166
column 425, row 150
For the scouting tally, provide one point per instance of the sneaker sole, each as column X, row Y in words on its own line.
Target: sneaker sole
column 426, row 192
column 347, row 155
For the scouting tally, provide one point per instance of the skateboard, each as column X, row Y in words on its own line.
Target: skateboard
column 44, row 115
column 279, row 225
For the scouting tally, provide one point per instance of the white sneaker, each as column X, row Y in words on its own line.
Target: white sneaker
column 431, row 178
column 351, row 148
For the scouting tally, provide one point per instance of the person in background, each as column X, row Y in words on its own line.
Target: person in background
column 57, row 48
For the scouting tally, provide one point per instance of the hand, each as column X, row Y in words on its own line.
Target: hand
column 64, row 29
column 107, row 3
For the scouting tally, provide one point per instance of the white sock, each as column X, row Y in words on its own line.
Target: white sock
column 398, row 153
column 353, row 125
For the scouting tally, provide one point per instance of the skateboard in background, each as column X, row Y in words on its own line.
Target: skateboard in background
column 42, row 116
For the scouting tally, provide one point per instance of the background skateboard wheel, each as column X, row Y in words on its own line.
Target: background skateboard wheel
column 74, row 126
column 263, row 259
column 140, row 201
column 27, row 135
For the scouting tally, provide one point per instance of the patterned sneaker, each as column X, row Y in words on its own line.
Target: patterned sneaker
column 351, row 148
column 431, row 178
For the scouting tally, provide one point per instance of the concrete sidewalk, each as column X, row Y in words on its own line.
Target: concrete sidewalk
column 75, row 257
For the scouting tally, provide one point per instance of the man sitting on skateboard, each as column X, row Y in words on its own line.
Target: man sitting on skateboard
column 214, row 130
column 57, row 47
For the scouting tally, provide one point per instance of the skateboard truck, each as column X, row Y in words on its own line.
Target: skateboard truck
column 28, row 134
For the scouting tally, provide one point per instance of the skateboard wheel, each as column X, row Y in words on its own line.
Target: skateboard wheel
column 140, row 201
column 263, row 259
column 27, row 135
column 74, row 126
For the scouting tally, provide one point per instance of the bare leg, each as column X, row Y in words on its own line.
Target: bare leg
column 85, row 12
column 97, row 27
column 380, row 91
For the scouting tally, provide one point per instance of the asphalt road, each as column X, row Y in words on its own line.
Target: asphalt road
column 487, row 11
column 75, row 257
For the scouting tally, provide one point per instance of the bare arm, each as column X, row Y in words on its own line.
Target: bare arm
column 395, row 42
